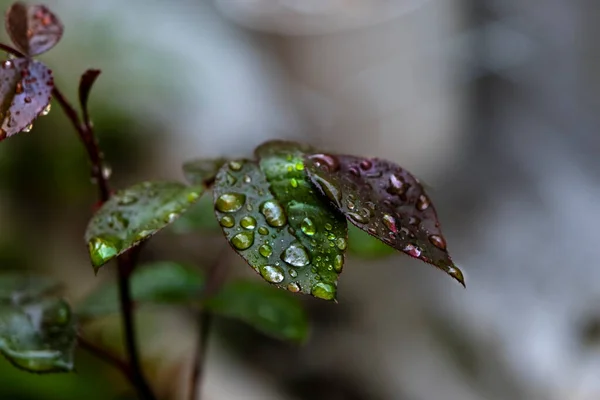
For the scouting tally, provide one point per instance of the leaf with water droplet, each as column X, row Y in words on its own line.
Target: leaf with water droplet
column 37, row 331
column 267, row 309
column 296, row 239
column 25, row 93
column 134, row 214
column 34, row 29
column 86, row 82
column 386, row 201
column 202, row 171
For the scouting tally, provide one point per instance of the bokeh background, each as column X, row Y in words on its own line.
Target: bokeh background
column 492, row 103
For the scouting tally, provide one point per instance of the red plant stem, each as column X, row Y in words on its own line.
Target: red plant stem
column 126, row 262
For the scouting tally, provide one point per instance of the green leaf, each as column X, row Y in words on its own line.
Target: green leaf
column 267, row 309
column 270, row 310
column 199, row 218
column 37, row 333
column 366, row 246
column 202, row 171
column 272, row 217
column 386, row 201
column 133, row 215
column 156, row 283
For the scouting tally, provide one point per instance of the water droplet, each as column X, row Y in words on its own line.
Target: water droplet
column 293, row 183
column 338, row 263
column 227, row 221
column 423, row 203
column 247, row 179
column 235, row 165
column 295, row 255
column 263, row 231
column 438, row 241
column 414, row 221
column 354, row 171
column 390, row 222
column 404, row 231
column 358, row 218
column 46, row 110
column 106, row 171
column 243, row 240
column 7, row 64
column 103, row 249
column 366, row 164
column 19, row 88
column 28, row 128
column 457, row 274
column 331, row 163
column 231, row 180
column 172, row 217
column 323, row 291
column 308, row 227
column 329, row 189
column 328, row 226
column 230, row 202
column 273, row 213
column 27, row 99
column 271, row 273
column 299, row 166
column 248, row 222
column 127, row 199
column 265, row 250
column 293, row 287
column 293, row 273
column 397, row 185
column 412, row 250
column 350, row 205
column 341, row 243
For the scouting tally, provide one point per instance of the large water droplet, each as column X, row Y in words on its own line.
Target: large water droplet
column 422, row 202
column 329, row 189
column 273, row 213
column 103, row 249
column 230, row 202
column 338, row 263
column 243, row 240
column 438, row 241
column 271, row 273
column 341, row 243
column 390, row 222
column 265, row 250
column 227, row 221
column 308, row 227
column 331, row 163
column 296, row 255
column 323, row 291
column 248, row 222
column 293, row 287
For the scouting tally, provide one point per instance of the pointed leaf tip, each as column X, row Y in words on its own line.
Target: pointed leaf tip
column 386, row 201
column 85, row 86
column 34, row 29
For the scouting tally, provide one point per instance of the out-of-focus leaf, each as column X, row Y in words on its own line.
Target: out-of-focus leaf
column 271, row 311
column 25, row 93
column 156, row 283
column 134, row 214
column 34, row 29
column 202, row 171
column 199, row 218
column 366, row 246
column 37, row 332
column 272, row 218
column 386, row 201
column 85, row 86
column 267, row 309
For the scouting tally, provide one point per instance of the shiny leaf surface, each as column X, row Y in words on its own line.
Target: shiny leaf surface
column 386, row 201
column 34, row 29
column 134, row 214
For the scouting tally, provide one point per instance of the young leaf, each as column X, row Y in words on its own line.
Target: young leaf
column 25, row 93
column 34, row 29
column 133, row 215
column 202, row 171
column 280, row 227
column 267, row 309
column 386, row 201
column 85, row 86
column 37, row 333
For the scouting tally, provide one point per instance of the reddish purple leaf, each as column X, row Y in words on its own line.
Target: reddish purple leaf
column 386, row 201
column 85, row 86
column 34, row 29
column 25, row 92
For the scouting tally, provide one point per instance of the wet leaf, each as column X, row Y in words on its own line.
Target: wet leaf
column 202, row 171
column 267, row 309
column 274, row 220
column 85, row 86
column 37, row 332
column 386, row 201
column 199, row 218
column 34, row 29
column 272, row 311
column 157, row 283
column 134, row 214
column 25, row 93
column 366, row 246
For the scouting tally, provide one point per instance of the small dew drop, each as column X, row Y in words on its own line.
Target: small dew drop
column 390, row 223
column 438, row 241
column 293, row 273
column 414, row 221
column 350, row 205
column 327, row 161
column 248, row 222
column 28, row 128
column 235, row 165
column 243, row 240
column 247, row 179
column 366, row 164
column 227, row 221
column 263, row 231
column 423, row 203
column 358, row 218
column 293, row 183
column 299, row 166
column 323, row 291
column 7, row 64
column 412, row 250
column 341, row 243
column 308, row 227
column 46, row 110
column 338, row 263
column 106, row 171
column 328, row 226
column 271, row 273
column 230, row 202
column 265, row 250
column 172, row 217
column 293, row 287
